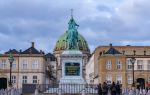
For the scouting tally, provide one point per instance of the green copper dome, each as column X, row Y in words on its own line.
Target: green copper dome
column 71, row 39
column 62, row 43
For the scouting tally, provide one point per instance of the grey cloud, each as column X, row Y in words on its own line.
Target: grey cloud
column 43, row 21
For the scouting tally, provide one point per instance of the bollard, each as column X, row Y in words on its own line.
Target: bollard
column 12, row 91
column 83, row 92
column 140, row 92
column 137, row 92
column 148, row 93
column 36, row 92
column 59, row 92
column 144, row 92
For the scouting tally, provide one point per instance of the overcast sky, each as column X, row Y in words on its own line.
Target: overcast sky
column 120, row 22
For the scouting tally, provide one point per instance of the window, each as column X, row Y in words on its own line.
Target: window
column 130, row 80
column 4, row 65
column 24, row 79
column 148, row 65
column 35, row 64
column 129, row 65
column 119, row 66
column 34, row 79
column 108, row 65
column 13, row 79
column 109, row 79
column 149, row 79
column 14, row 64
column 140, row 64
column 119, row 79
column 24, row 64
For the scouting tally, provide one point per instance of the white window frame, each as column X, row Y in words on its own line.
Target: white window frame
column 130, row 79
column 35, row 79
column 14, row 65
column 148, row 65
column 35, row 64
column 108, row 65
column 119, row 79
column 108, row 78
column 119, row 65
column 148, row 78
column 129, row 65
column 24, row 79
column 140, row 65
column 24, row 64
column 4, row 63
column 13, row 79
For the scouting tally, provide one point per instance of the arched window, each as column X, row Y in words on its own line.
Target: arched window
column 108, row 65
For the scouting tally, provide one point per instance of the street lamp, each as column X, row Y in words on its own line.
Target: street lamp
column 132, row 60
column 11, row 59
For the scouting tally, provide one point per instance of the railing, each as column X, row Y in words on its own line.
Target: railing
column 10, row 91
column 65, row 88
column 78, row 88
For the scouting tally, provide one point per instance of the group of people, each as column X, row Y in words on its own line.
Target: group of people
column 104, row 89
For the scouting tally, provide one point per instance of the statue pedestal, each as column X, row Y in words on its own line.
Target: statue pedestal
column 72, row 80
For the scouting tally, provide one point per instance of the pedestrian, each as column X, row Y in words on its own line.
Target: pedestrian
column 104, row 88
column 113, row 89
column 118, row 88
column 99, row 89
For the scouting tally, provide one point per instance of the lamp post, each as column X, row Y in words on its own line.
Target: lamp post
column 11, row 59
column 132, row 60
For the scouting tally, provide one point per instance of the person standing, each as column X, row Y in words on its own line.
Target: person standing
column 118, row 89
column 104, row 88
column 113, row 89
column 99, row 89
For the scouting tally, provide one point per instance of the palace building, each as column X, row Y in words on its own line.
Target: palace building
column 112, row 63
column 28, row 67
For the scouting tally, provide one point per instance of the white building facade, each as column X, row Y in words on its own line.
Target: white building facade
column 28, row 67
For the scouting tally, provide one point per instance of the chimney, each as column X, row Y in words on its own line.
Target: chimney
column 144, row 52
column 110, row 44
column 134, row 52
column 33, row 44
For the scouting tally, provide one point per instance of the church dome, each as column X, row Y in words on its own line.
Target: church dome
column 63, row 42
